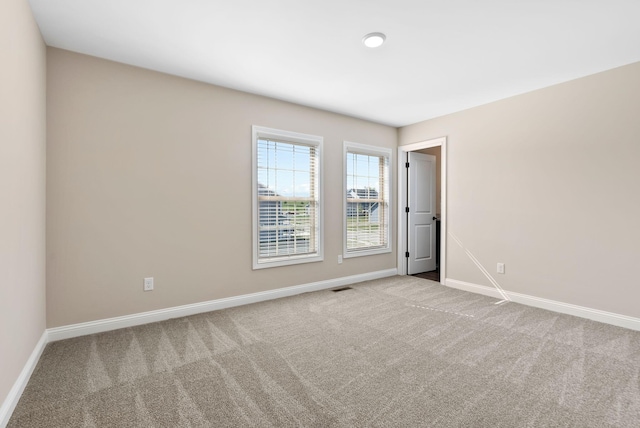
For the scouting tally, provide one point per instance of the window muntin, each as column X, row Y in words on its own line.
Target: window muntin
column 287, row 198
column 367, row 214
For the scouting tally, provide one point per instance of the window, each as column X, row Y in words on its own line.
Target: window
column 366, row 202
column 287, row 216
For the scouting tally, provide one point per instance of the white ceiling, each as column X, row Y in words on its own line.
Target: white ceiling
column 440, row 56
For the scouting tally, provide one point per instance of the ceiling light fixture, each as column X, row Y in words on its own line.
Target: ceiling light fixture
column 373, row 40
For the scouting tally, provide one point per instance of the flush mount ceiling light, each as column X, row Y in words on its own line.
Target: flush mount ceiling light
column 373, row 40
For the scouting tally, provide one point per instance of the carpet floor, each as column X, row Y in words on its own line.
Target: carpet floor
column 395, row 352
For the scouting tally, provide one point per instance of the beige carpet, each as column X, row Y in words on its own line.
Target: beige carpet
column 397, row 352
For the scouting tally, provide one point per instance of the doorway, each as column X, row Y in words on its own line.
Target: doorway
column 421, row 213
column 433, row 225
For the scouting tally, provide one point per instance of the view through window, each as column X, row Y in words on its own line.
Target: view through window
column 367, row 204
column 287, row 199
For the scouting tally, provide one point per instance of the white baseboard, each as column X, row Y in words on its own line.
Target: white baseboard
column 75, row 330
column 15, row 393
column 473, row 288
column 551, row 305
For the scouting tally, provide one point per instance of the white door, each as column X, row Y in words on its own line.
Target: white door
column 421, row 239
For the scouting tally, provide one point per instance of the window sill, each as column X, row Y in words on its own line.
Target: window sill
column 287, row 261
column 362, row 253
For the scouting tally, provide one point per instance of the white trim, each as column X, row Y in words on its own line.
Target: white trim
column 551, row 305
column 402, row 203
column 16, row 391
column 366, row 149
column 348, row 146
column 75, row 330
column 473, row 288
column 296, row 138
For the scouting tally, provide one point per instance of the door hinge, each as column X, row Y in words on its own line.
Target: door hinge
column 406, row 165
column 406, row 254
column 406, row 209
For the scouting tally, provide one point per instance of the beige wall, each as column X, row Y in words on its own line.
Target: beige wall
column 435, row 151
column 22, row 189
column 547, row 182
column 150, row 175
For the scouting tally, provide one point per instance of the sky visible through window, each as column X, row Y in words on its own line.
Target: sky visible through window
column 363, row 171
column 285, row 168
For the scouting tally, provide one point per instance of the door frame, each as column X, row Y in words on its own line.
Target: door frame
column 402, row 203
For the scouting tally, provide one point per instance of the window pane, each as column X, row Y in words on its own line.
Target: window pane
column 302, row 184
column 288, row 217
column 367, row 208
column 350, row 162
column 284, row 182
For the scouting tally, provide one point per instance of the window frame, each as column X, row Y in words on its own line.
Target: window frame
column 365, row 149
column 261, row 132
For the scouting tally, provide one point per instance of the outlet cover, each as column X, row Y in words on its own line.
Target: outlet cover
column 148, row 284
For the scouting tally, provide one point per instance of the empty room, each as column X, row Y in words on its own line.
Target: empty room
column 331, row 214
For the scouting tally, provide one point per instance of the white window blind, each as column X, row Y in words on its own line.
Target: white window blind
column 367, row 215
column 287, row 198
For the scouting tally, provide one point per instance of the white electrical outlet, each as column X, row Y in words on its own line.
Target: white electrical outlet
column 340, row 259
column 148, row 284
column 500, row 268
